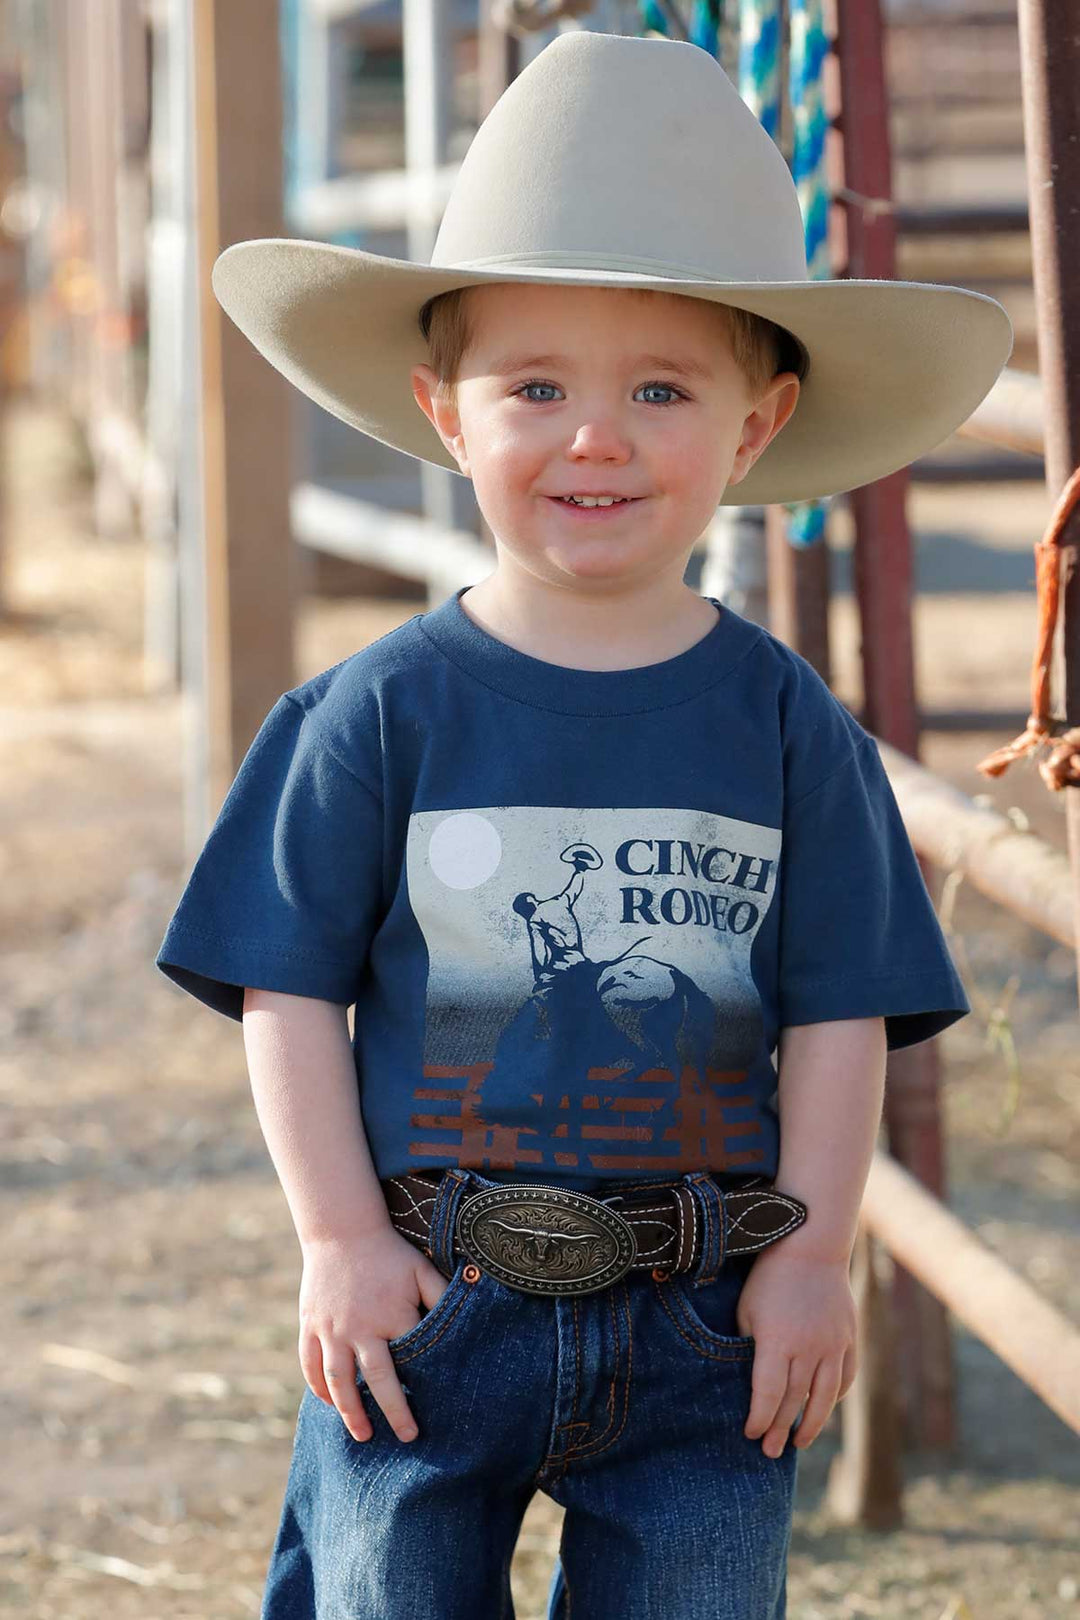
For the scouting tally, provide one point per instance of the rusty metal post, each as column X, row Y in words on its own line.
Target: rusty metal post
column 798, row 584
column 883, row 583
column 1050, row 68
column 883, row 565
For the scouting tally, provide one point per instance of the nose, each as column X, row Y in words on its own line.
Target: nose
column 599, row 439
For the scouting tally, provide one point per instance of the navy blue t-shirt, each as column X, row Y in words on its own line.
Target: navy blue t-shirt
column 573, row 908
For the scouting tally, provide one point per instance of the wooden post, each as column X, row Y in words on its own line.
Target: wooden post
column 865, row 1485
column 427, row 39
column 246, row 463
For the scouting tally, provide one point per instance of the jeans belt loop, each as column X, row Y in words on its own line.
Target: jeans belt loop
column 448, row 1194
column 712, row 1215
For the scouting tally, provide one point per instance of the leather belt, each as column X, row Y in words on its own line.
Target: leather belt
column 552, row 1240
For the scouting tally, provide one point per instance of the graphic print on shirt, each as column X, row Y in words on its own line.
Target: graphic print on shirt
column 589, row 1001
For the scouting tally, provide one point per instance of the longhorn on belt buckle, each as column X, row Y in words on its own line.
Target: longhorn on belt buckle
column 545, row 1240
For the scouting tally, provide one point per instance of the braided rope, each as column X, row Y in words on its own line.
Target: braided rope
column 1061, row 768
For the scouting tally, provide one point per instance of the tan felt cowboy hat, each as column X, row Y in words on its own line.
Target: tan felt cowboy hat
column 613, row 161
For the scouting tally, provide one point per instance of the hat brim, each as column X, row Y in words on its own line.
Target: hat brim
column 895, row 366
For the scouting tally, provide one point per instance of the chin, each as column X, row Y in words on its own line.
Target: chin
column 598, row 576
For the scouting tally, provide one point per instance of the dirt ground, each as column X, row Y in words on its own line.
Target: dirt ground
column 149, row 1268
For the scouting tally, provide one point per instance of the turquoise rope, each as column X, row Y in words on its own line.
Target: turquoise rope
column 759, row 85
column 759, row 61
column 808, row 48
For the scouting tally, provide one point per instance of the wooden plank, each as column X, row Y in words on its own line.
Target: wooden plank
column 414, row 547
column 1030, row 1335
column 245, row 420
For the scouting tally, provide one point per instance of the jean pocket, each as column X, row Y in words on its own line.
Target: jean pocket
column 445, row 1311
column 704, row 1316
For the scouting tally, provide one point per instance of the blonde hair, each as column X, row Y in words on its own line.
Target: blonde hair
column 761, row 348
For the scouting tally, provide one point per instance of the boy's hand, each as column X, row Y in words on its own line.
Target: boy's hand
column 802, row 1315
column 355, row 1295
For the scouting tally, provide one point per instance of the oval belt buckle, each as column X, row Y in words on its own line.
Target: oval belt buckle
column 545, row 1240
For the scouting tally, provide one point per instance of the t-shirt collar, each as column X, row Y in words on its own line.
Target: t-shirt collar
column 588, row 691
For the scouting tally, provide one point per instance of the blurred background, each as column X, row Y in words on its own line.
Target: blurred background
column 183, row 537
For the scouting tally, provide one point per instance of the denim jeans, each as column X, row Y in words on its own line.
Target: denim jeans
column 626, row 1406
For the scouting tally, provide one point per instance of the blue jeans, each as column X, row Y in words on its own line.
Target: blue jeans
column 626, row 1406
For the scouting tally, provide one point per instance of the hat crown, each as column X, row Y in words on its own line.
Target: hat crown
column 613, row 152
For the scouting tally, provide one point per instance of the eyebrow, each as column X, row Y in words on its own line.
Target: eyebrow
column 686, row 367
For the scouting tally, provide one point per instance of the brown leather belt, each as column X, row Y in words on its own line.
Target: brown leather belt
column 552, row 1240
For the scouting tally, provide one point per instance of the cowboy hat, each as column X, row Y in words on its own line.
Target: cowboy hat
column 614, row 161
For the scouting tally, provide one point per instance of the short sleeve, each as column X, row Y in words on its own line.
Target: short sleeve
column 285, row 894
column 859, row 936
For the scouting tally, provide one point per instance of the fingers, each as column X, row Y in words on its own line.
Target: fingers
column 312, row 1366
column 340, row 1371
column 850, row 1368
column 824, row 1394
column 770, row 1387
column 778, row 1397
column 356, row 1305
column 330, row 1370
column 331, row 1375
column 380, row 1374
column 779, row 1389
column 381, row 1377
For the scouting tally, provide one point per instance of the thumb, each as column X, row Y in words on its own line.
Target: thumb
column 432, row 1282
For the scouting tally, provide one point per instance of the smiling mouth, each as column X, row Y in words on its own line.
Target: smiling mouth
column 604, row 504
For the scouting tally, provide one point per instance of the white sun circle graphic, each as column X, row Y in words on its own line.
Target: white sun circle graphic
column 464, row 850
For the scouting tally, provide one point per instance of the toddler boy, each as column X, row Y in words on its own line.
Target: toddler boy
column 617, row 888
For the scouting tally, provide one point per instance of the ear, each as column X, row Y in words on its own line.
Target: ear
column 764, row 422
column 440, row 413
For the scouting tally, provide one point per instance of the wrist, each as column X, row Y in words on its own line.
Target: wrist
column 828, row 1231
column 347, row 1237
column 813, row 1248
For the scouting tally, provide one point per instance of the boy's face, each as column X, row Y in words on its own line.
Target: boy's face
column 582, row 390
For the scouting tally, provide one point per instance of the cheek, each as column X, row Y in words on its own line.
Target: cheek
column 694, row 465
column 510, row 456
column 686, row 453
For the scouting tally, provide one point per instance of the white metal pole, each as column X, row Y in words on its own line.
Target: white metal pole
column 166, row 240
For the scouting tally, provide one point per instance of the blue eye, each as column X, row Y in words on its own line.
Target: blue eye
column 664, row 388
column 524, row 389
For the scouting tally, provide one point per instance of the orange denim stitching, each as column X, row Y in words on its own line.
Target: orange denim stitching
column 735, row 1353
column 577, row 1452
column 413, row 1350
